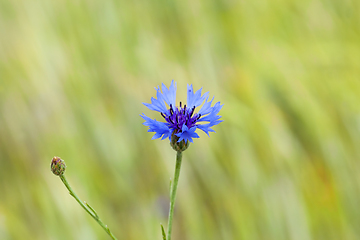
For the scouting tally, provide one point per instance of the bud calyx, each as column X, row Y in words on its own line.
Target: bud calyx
column 58, row 166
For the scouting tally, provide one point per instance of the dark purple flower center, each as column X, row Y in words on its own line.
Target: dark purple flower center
column 176, row 117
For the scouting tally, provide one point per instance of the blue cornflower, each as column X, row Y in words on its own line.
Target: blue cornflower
column 181, row 121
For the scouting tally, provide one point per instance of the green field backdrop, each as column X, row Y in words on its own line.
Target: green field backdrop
column 284, row 164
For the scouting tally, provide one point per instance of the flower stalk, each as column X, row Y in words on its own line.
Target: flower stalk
column 173, row 192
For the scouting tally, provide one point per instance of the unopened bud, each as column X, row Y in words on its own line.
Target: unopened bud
column 58, row 166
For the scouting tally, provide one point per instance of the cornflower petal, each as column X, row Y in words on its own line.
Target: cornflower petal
column 206, row 108
column 157, row 104
column 195, row 100
column 187, row 133
column 169, row 95
column 207, row 127
column 213, row 114
column 160, row 128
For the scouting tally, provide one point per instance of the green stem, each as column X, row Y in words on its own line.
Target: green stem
column 87, row 208
column 173, row 193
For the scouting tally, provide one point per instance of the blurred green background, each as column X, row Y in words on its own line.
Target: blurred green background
column 284, row 164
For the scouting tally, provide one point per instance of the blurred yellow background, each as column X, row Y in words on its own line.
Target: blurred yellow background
column 284, row 164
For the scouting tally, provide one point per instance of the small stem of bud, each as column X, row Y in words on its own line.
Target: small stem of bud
column 86, row 207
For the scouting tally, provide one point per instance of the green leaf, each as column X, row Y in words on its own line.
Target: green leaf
column 91, row 209
column 163, row 232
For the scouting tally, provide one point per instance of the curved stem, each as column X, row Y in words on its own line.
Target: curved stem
column 87, row 208
column 173, row 193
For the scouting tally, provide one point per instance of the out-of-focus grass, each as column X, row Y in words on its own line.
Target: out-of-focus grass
column 284, row 164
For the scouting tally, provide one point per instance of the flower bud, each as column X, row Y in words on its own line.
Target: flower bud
column 58, row 166
column 178, row 146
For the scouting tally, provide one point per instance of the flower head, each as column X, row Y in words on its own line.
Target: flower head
column 182, row 121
